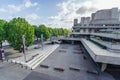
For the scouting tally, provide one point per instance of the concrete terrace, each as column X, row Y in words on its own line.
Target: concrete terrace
column 101, row 55
column 65, row 56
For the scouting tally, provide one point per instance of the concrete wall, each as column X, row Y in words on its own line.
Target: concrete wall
column 115, row 13
column 106, row 14
column 75, row 22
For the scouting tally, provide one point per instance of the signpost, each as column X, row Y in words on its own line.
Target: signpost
column 23, row 47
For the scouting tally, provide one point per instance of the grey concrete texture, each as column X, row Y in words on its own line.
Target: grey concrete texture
column 65, row 57
column 10, row 71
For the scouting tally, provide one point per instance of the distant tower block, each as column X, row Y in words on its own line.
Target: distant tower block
column 75, row 22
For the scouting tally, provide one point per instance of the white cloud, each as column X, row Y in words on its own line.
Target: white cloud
column 28, row 4
column 32, row 18
column 12, row 8
column 2, row 10
column 10, row 17
column 15, row 8
column 68, row 9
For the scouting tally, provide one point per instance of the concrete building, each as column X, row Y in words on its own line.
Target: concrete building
column 100, row 35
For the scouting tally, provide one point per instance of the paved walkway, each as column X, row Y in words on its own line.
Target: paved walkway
column 67, row 56
column 10, row 71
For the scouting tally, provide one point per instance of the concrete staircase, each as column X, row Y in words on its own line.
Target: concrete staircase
column 34, row 62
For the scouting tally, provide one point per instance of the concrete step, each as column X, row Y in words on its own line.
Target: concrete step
column 21, row 59
column 30, row 62
column 38, row 59
column 33, row 63
column 44, row 57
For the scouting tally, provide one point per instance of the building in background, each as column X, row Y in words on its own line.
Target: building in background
column 100, row 35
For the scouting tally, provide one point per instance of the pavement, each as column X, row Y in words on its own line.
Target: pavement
column 64, row 57
column 10, row 71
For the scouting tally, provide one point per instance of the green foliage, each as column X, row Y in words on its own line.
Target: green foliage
column 2, row 32
column 44, row 30
column 59, row 31
column 15, row 29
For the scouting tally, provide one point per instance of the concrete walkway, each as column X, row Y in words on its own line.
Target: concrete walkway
column 67, row 56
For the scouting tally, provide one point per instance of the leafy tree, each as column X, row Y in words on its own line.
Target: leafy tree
column 2, row 32
column 44, row 30
column 58, row 31
column 37, row 31
column 15, row 29
column 50, row 30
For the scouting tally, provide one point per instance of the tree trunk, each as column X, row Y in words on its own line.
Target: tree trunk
column 1, row 45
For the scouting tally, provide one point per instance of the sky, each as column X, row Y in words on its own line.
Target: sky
column 53, row 13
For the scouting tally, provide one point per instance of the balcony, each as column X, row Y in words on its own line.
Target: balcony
column 107, row 35
column 98, row 27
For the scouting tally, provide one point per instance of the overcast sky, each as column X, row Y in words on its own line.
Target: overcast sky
column 55, row 13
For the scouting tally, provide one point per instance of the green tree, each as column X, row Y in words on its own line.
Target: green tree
column 2, row 32
column 50, row 30
column 36, row 32
column 15, row 29
column 44, row 30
